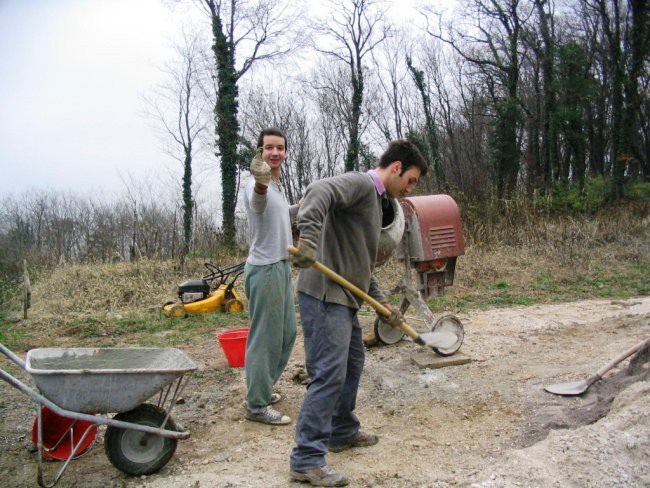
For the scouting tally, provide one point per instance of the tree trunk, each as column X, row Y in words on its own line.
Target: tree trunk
column 187, row 204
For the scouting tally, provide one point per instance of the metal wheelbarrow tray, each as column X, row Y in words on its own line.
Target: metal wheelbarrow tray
column 79, row 383
column 104, row 380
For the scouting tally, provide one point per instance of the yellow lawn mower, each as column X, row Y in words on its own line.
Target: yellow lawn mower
column 214, row 292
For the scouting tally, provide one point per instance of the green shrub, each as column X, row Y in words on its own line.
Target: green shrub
column 570, row 198
column 638, row 190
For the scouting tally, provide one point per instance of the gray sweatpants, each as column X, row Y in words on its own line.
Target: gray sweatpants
column 272, row 331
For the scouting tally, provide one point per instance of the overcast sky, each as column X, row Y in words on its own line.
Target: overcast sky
column 73, row 72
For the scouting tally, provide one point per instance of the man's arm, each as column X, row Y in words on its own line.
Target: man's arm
column 329, row 194
column 374, row 291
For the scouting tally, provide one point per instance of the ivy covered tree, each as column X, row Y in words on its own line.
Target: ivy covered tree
column 178, row 107
column 261, row 30
column 431, row 146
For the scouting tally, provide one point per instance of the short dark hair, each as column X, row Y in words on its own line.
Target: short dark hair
column 406, row 152
column 271, row 131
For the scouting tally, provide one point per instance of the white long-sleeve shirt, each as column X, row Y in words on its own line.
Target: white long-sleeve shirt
column 269, row 224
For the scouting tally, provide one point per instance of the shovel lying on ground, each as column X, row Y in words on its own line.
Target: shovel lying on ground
column 443, row 339
column 579, row 387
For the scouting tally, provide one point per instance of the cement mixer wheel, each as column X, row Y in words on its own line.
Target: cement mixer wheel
column 449, row 322
column 386, row 334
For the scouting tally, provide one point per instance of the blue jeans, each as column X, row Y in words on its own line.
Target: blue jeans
column 334, row 355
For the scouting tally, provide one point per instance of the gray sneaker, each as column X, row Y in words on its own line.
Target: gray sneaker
column 268, row 415
column 324, row 475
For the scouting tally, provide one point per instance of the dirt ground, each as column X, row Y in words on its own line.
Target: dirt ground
column 488, row 423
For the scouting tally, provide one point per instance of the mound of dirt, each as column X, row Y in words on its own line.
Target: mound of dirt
column 594, row 404
column 610, row 452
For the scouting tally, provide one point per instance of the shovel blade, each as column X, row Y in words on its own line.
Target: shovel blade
column 443, row 339
column 573, row 388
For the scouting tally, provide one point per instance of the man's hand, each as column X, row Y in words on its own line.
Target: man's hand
column 306, row 255
column 395, row 318
column 260, row 170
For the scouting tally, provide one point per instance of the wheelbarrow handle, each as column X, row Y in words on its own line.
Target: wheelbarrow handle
column 12, row 356
column 337, row 278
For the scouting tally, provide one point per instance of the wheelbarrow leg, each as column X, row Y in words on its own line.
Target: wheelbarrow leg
column 39, row 451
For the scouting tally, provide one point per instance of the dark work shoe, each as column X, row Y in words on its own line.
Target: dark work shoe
column 362, row 439
column 268, row 415
column 324, row 475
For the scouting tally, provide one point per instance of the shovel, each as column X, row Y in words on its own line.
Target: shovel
column 442, row 339
column 579, row 387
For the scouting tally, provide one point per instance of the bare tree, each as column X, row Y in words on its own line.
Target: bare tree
column 355, row 27
column 328, row 91
column 179, row 108
column 286, row 110
column 492, row 45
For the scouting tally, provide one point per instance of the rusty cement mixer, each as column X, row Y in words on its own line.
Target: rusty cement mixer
column 431, row 242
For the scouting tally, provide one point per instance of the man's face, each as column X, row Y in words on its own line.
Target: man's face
column 273, row 151
column 399, row 185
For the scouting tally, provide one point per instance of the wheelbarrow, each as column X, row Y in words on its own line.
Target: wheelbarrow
column 87, row 384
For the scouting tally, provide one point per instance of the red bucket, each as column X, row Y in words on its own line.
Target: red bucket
column 58, row 437
column 233, row 343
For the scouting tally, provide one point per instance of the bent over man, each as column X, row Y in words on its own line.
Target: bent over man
column 340, row 224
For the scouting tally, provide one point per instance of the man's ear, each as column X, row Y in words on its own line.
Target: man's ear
column 396, row 167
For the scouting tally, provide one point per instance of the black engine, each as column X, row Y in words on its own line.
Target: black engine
column 193, row 290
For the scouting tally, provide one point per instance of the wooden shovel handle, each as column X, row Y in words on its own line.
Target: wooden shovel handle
column 337, row 278
column 621, row 357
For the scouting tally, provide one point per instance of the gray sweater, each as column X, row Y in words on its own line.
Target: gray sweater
column 342, row 215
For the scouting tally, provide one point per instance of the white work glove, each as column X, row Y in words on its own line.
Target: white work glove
column 260, row 170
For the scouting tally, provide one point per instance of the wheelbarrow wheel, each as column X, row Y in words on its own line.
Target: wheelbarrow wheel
column 139, row 453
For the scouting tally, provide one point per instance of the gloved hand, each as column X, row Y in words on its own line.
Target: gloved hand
column 260, row 170
column 395, row 318
column 306, row 254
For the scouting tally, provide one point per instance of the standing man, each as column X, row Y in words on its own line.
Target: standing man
column 267, row 279
column 340, row 222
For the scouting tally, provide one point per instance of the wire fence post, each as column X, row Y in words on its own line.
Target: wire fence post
column 27, row 290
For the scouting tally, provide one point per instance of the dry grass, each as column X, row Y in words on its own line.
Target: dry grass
column 125, row 288
column 550, row 260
